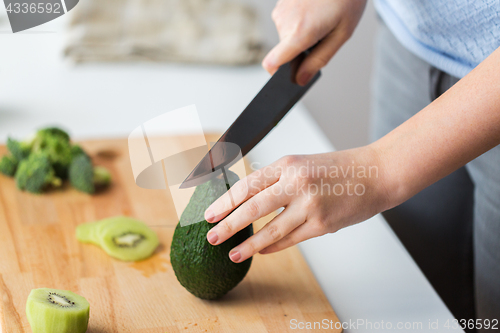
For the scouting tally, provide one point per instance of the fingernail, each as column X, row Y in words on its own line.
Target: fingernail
column 235, row 256
column 212, row 237
column 304, row 78
column 209, row 215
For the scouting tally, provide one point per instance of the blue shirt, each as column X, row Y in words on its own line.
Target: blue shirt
column 452, row 35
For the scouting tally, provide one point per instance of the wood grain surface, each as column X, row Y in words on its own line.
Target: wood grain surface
column 38, row 249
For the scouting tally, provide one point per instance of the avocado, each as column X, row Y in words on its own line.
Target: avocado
column 205, row 270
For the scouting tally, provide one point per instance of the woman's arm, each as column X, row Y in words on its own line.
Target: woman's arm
column 456, row 128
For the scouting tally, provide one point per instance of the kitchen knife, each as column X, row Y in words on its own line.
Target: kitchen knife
column 263, row 113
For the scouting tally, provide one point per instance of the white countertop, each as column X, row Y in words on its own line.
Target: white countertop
column 364, row 270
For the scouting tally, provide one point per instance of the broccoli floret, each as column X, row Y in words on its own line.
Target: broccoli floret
column 81, row 174
column 76, row 150
column 41, row 137
column 85, row 177
column 35, row 173
column 47, row 157
column 8, row 165
column 38, row 141
column 56, row 144
column 52, row 132
column 58, row 151
column 19, row 149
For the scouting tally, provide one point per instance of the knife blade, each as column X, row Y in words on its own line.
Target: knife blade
column 263, row 113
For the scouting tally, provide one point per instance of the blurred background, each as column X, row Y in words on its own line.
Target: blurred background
column 218, row 33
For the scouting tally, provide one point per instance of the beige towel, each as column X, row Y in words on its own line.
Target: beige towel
column 202, row 31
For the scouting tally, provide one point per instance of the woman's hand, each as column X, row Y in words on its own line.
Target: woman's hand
column 302, row 23
column 321, row 194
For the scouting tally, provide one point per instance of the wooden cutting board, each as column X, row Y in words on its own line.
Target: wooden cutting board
column 38, row 249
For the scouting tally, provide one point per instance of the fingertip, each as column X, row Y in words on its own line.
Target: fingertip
column 212, row 237
column 269, row 65
column 265, row 64
column 209, row 215
column 304, row 78
column 235, row 256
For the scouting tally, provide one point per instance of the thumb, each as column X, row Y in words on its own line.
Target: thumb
column 286, row 50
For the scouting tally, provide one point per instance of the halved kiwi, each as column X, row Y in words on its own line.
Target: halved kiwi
column 53, row 310
column 123, row 238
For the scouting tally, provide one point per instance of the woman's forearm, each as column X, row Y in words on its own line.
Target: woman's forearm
column 451, row 131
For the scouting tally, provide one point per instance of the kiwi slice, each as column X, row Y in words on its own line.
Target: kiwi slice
column 52, row 310
column 85, row 233
column 123, row 238
column 127, row 239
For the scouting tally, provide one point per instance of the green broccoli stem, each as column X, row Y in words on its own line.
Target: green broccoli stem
column 102, row 177
column 56, row 182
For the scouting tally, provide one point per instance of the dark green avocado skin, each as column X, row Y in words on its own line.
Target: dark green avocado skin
column 203, row 269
